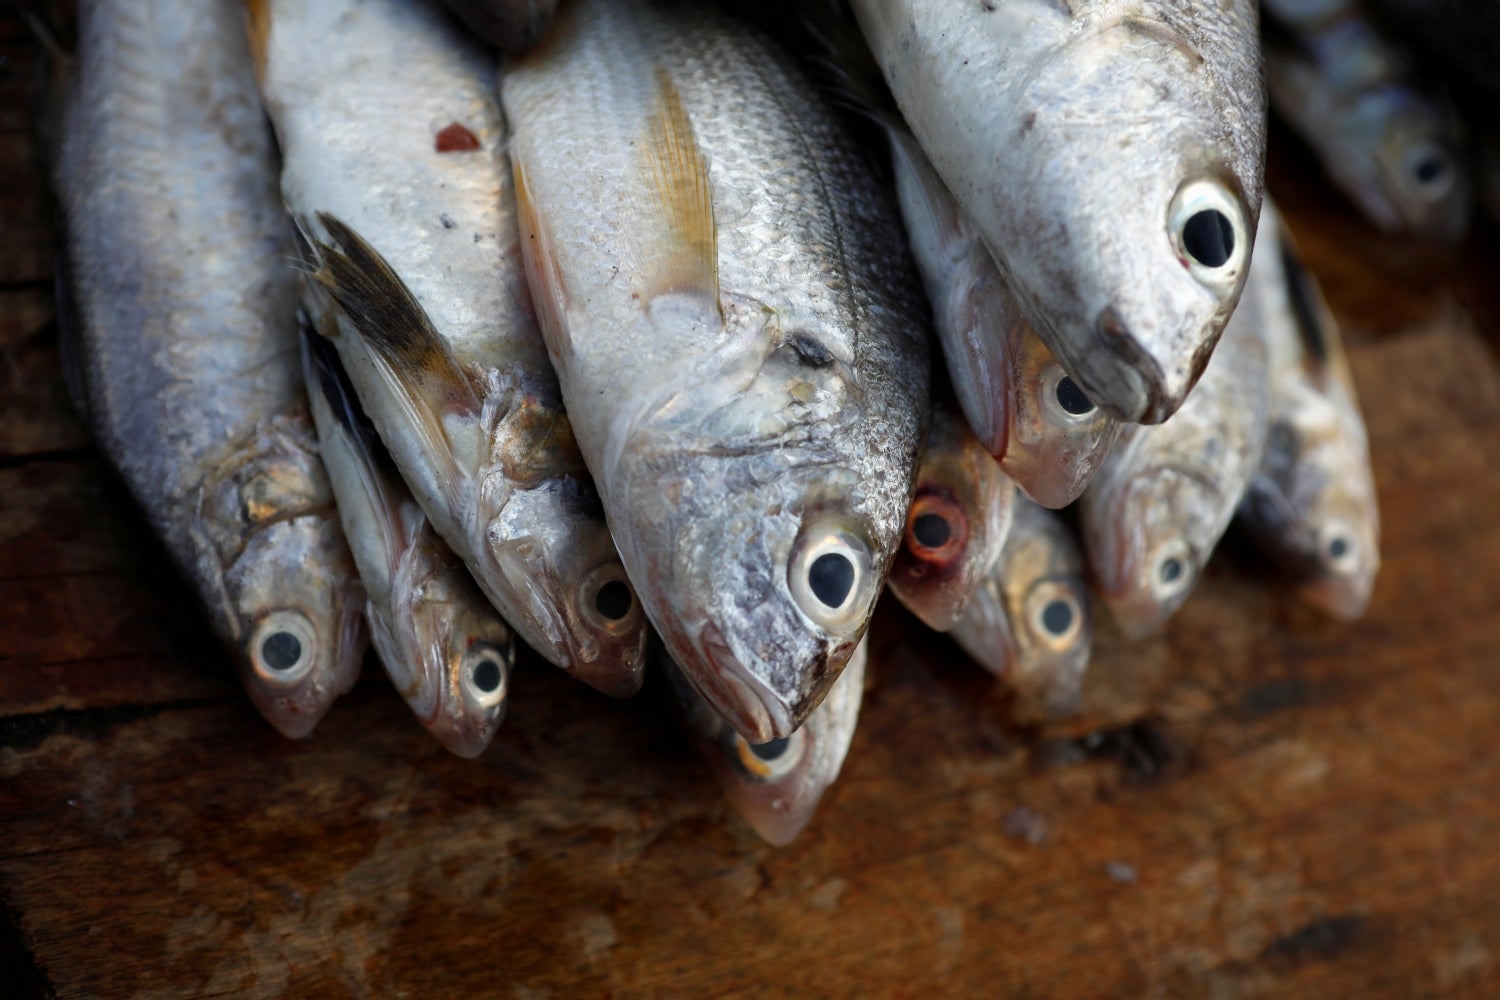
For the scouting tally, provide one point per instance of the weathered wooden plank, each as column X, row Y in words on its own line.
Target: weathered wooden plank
column 36, row 415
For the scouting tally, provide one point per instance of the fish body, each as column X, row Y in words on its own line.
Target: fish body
column 1030, row 620
column 738, row 334
column 443, row 645
column 1311, row 505
column 509, row 25
column 393, row 138
column 1110, row 154
column 776, row 786
column 960, row 515
column 1392, row 145
column 1047, row 434
column 1165, row 494
column 182, row 329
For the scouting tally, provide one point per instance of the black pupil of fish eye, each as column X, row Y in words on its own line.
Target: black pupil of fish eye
column 1072, row 399
column 1208, row 237
column 1170, row 569
column 771, row 750
column 1057, row 616
column 281, row 650
column 1429, row 169
column 613, row 600
column 831, row 577
column 487, row 675
column 931, row 530
column 1338, row 547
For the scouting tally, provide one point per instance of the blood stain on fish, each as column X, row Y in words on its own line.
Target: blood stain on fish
column 455, row 138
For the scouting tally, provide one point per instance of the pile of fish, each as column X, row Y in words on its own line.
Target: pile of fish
column 628, row 333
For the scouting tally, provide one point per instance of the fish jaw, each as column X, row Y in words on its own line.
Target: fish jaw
column 558, row 560
column 1058, row 437
column 957, row 523
column 714, row 542
column 302, row 633
column 1148, row 544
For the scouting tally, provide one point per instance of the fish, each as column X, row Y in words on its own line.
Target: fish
column 393, row 145
column 1111, row 155
column 1166, row 493
column 1046, row 432
column 1311, row 506
column 1031, row 622
column 1390, row 143
column 959, row 518
column 509, row 25
column 179, row 320
column 443, row 645
column 739, row 335
column 776, row 786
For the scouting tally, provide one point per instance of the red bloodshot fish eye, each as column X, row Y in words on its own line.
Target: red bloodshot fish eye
column 936, row 528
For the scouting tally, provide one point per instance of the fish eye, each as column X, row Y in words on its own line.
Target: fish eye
column 1055, row 613
column 485, row 673
column 1338, row 549
column 1072, row 405
column 831, row 574
column 1171, row 569
column 1209, row 232
column 936, row 528
column 608, row 600
column 1430, row 169
column 283, row 647
column 770, row 761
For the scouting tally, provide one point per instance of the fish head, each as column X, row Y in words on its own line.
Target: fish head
column 1153, row 546
column 1041, row 576
column 1321, row 506
column 776, row 785
column 288, row 587
column 1418, row 171
column 1058, row 436
column 751, row 513
column 560, row 557
column 466, row 655
column 957, row 522
column 300, row 607
column 1140, row 249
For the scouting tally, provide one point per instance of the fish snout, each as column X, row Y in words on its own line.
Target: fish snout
column 747, row 706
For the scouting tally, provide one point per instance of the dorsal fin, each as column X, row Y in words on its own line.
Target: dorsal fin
column 351, row 435
column 389, row 318
column 690, row 263
column 1306, row 303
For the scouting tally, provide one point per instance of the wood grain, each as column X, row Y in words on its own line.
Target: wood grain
column 1257, row 803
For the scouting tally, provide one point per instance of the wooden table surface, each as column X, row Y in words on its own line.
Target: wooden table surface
column 1256, row 803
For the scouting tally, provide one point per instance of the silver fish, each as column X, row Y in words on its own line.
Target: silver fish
column 1351, row 93
column 776, row 785
column 393, row 140
column 509, row 25
column 443, row 645
column 1047, row 433
column 960, row 515
column 1165, row 494
column 1030, row 620
column 1111, row 155
column 738, row 334
column 1312, row 503
column 181, row 316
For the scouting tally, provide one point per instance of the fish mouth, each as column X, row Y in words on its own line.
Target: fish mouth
column 743, row 702
column 1152, row 391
